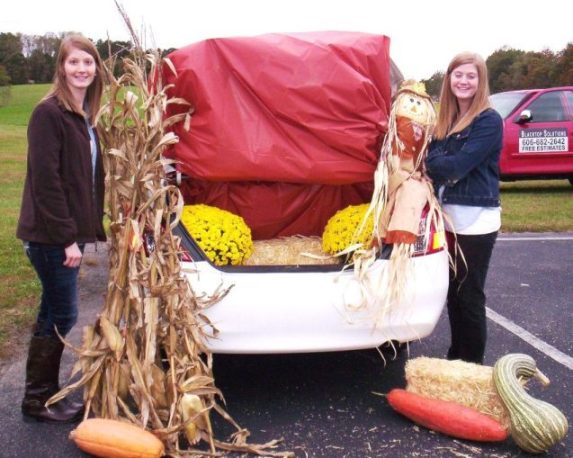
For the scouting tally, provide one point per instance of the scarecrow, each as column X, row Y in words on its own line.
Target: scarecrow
column 401, row 193
column 412, row 119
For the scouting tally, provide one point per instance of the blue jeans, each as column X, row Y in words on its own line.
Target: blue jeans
column 59, row 303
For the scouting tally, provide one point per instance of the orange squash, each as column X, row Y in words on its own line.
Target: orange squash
column 116, row 439
column 447, row 417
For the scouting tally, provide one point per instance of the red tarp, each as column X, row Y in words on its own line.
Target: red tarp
column 273, row 209
column 300, row 111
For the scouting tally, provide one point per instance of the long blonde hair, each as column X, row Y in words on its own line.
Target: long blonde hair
column 448, row 122
column 61, row 90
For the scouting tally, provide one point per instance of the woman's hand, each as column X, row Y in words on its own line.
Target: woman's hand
column 73, row 256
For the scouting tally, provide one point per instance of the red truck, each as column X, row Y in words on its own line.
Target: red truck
column 538, row 133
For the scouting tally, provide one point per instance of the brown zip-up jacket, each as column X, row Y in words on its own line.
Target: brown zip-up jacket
column 61, row 204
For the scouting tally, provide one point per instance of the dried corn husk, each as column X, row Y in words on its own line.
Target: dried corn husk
column 195, row 416
column 150, row 336
column 112, row 336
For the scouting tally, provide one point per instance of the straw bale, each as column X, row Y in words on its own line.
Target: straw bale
column 291, row 250
column 465, row 383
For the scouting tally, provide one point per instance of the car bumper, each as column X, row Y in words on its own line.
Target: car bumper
column 292, row 312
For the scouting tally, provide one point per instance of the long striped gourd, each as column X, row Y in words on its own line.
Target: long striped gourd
column 535, row 425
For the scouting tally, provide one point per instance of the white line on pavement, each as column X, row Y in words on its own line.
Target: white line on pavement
column 542, row 346
column 544, row 238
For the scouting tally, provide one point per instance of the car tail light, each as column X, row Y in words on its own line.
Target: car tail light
column 429, row 239
column 185, row 256
column 438, row 241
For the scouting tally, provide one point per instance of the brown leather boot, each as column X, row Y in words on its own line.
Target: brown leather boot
column 42, row 372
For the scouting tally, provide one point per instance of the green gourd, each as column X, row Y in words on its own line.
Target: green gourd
column 536, row 425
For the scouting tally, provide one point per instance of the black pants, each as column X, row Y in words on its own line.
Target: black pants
column 466, row 296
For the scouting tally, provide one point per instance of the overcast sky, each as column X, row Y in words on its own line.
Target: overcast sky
column 425, row 34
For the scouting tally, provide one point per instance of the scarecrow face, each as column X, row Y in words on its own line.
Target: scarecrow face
column 414, row 107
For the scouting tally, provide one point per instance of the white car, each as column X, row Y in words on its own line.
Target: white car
column 286, row 131
column 294, row 309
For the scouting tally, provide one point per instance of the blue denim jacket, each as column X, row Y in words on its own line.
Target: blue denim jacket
column 467, row 162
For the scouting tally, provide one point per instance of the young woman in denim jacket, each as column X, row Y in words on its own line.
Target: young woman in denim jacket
column 62, row 209
column 462, row 162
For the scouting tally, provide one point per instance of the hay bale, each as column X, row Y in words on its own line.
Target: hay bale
column 286, row 251
column 465, row 383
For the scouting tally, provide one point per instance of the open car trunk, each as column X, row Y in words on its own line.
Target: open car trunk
column 286, row 128
column 287, row 131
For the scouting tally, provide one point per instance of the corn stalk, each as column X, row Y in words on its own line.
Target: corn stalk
column 145, row 358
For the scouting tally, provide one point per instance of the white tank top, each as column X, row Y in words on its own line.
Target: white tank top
column 467, row 220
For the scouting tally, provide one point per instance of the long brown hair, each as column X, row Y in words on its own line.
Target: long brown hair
column 61, row 90
column 448, row 122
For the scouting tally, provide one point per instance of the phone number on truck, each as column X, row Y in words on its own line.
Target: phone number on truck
column 543, row 144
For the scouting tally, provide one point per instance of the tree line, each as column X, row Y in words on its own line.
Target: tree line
column 32, row 58
column 511, row 69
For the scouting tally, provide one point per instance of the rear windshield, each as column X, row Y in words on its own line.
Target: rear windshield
column 505, row 102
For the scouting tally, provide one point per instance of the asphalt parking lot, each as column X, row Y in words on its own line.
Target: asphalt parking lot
column 328, row 405
column 325, row 406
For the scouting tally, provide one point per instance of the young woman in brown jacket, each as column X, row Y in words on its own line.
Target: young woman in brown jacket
column 62, row 209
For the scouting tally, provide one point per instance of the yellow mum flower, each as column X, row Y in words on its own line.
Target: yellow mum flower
column 340, row 229
column 224, row 237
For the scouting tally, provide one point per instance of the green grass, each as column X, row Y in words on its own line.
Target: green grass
column 21, row 102
column 18, row 283
column 537, row 206
column 527, row 206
